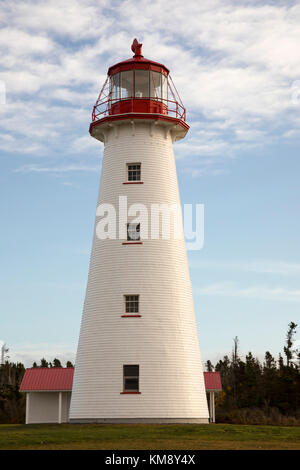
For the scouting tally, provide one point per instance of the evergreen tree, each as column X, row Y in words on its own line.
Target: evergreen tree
column 44, row 363
column 56, row 363
column 270, row 362
column 289, row 343
column 12, row 402
column 280, row 362
column 255, row 392
column 209, row 366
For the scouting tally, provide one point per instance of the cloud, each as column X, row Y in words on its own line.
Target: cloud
column 230, row 289
column 56, row 169
column 20, row 43
column 255, row 266
column 234, row 66
column 76, row 19
column 84, row 143
column 198, row 172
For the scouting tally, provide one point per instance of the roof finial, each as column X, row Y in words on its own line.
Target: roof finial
column 136, row 47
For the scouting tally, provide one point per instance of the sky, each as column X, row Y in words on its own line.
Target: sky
column 236, row 65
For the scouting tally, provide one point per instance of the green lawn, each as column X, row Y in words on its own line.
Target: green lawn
column 142, row 436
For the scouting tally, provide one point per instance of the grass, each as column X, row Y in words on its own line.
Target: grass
column 142, row 436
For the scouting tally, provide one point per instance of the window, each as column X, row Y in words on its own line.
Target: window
column 164, row 87
column 126, row 84
column 133, row 232
column 138, row 84
column 133, row 174
column 141, row 84
column 131, row 378
column 131, row 303
column 155, row 85
column 134, row 171
column 115, row 86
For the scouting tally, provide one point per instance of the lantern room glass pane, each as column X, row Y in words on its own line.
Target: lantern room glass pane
column 155, row 85
column 164, row 87
column 115, row 86
column 142, row 84
column 127, row 84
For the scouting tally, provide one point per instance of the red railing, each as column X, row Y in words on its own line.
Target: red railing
column 107, row 106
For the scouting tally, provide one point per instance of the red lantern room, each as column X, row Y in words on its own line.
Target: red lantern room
column 138, row 88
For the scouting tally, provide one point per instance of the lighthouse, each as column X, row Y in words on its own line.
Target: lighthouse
column 138, row 358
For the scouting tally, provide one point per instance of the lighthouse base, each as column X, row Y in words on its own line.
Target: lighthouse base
column 139, row 420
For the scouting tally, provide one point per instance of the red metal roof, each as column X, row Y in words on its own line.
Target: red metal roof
column 43, row 379
column 59, row 378
column 212, row 381
column 138, row 61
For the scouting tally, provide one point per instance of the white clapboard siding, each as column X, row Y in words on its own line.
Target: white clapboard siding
column 164, row 340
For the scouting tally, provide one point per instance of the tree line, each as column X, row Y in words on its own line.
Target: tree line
column 56, row 363
column 254, row 392
column 260, row 392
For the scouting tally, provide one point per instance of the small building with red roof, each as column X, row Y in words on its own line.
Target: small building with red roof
column 48, row 393
column 213, row 385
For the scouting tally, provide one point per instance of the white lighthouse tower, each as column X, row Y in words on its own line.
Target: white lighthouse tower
column 138, row 357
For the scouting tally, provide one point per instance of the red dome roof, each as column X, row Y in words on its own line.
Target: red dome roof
column 138, row 62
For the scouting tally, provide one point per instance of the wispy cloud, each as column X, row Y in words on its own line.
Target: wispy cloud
column 205, row 171
column 231, row 289
column 255, row 266
column 55, row 169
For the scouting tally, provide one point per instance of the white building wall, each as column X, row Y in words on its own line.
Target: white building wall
column 164, row 340
column 42, row 407
column 66, row 400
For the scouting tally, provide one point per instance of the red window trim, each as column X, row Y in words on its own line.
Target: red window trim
column 133, row 182
column 130, row 393
column 132, row 243
column 129, row 316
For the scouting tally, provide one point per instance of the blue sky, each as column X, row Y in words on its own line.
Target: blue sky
column 236, row 66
